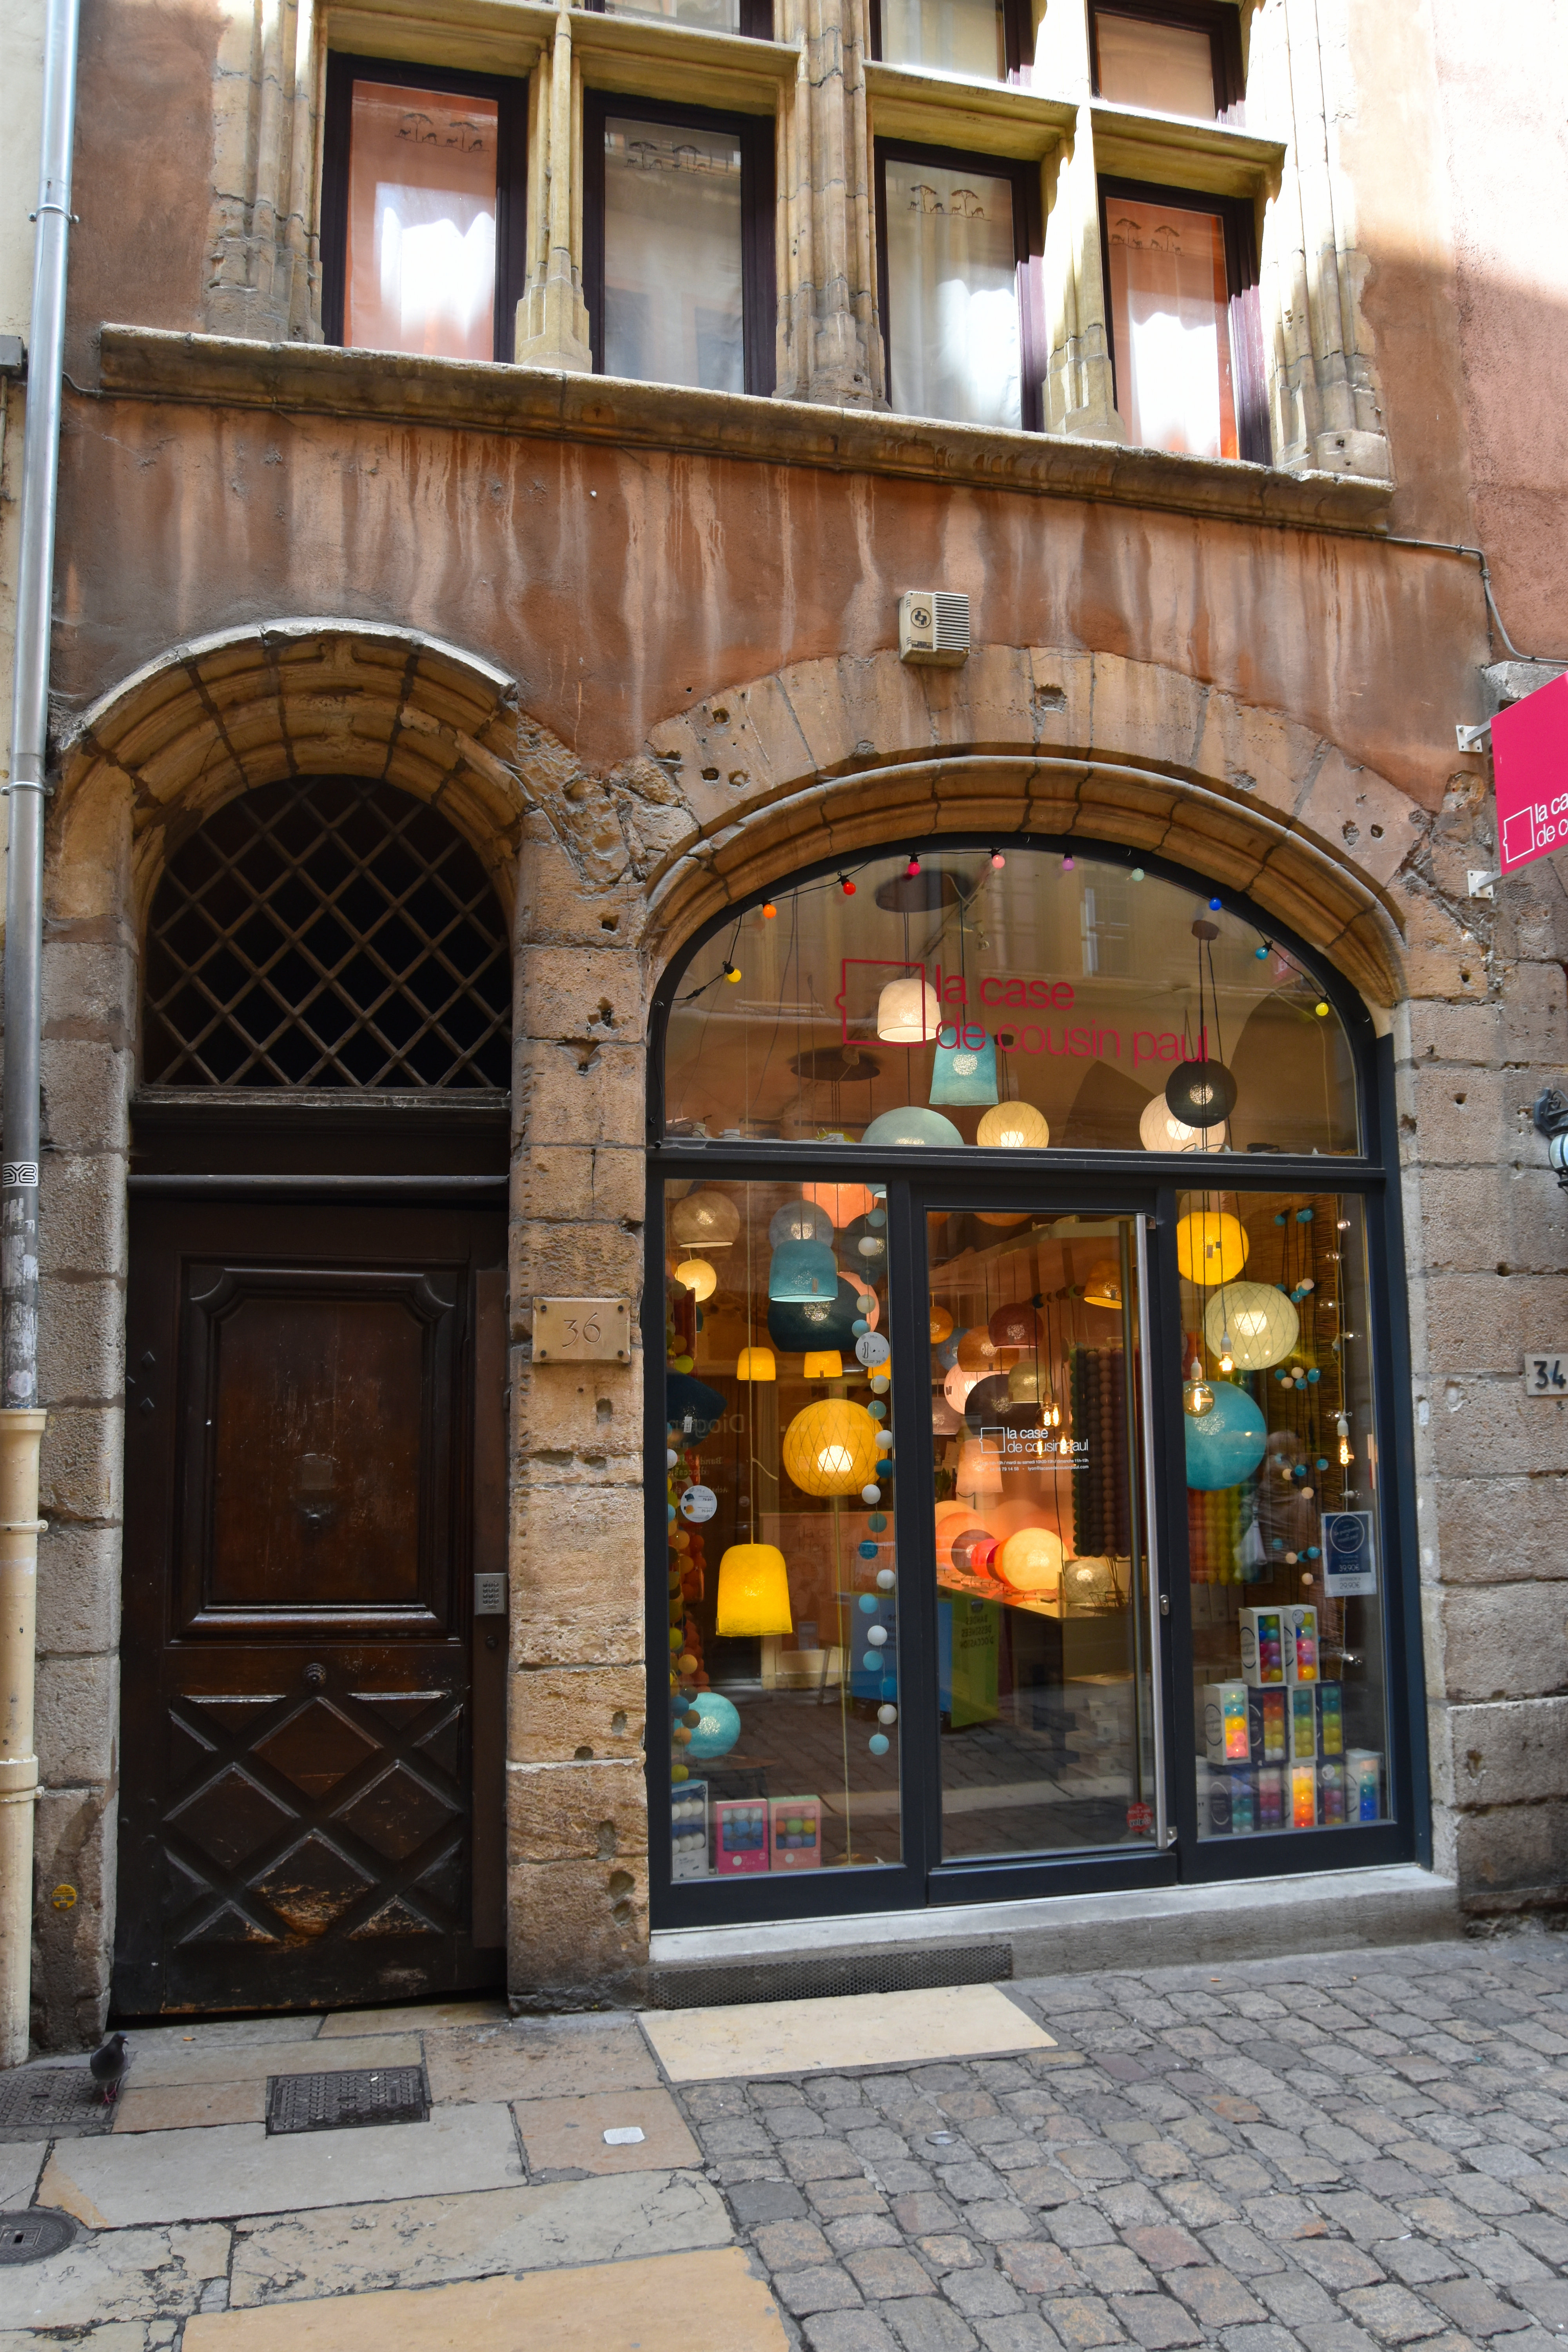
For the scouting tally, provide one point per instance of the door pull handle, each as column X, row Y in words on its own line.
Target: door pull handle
column 1164, row 1604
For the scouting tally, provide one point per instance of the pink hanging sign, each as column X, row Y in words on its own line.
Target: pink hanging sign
column 1529, row 769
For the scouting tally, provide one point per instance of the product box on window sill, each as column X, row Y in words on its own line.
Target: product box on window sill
column 739, row 1835
column 1278, row 1646
column 688, row 1830
column 797, row 1826
column 1307, row 1792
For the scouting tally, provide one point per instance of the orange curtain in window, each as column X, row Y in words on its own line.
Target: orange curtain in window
column 421, row 262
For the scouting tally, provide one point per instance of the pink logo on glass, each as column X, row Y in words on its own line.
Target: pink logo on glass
column 1530, row 768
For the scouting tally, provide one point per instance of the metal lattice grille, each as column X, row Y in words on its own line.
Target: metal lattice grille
column 327, row 931
column 384, row 2094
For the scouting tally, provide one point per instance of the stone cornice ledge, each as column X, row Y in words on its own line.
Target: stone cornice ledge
column 315, row 379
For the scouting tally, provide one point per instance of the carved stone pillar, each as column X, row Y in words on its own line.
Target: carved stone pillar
column 830, row 344
column 552, row 329
column 262, row 274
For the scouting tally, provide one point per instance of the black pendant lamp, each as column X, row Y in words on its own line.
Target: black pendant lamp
column 1202, row 1093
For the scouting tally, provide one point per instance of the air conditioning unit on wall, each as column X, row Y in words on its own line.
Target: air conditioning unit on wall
column 933, row 627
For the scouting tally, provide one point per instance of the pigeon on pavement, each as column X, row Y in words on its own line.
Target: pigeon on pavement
column 107, row 2065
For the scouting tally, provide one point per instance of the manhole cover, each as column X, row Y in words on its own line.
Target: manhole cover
column 28, row 2237
column 42, row 2102
column 381, row 2094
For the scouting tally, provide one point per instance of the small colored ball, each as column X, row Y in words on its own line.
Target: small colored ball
column 879, row 1633
column 868, row 1604
column 877, row 1743
column 870, row 1493
column 879, row 1520
column 867, row 1552
column 887, row 1715
column 886, row 1579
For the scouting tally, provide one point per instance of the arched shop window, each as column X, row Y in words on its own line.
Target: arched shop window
column 1025, row 1521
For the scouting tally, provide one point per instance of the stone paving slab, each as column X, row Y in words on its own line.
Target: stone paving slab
column 418, row 2017
column 355, row 2250
column 759, row 2038
column 568, row 2135
column 674, row 2303
column 125, row 2275
column 252, row 2062
column 179, row 2106
column 234, row 2168
column 20, row 2163
column 539, row 2059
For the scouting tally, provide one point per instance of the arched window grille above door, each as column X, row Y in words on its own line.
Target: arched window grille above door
column 327, row 931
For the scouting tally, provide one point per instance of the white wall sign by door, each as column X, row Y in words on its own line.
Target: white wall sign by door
column 1547, row 1375
column 1350, row 1560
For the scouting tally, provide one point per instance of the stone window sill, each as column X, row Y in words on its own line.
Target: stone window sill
column 314, row 378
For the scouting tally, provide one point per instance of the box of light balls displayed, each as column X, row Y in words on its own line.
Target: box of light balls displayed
column 1274, row 1756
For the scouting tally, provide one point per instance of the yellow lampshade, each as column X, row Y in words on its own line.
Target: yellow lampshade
column 831, row 1448
column 698, row 1276
column 940, row 1326
column 1031, row 1560
column 1103, row 1287
column 824, row 1364
column 753, row 1590
column 842, row 1203
column 1012, row 1126
column 1000, row 1217
column 1210, row 1245
column 756, row 1364
column 1160, row 1129
column 1253, row 1322
column 705, row 1221
column 978, row 1351
column 908, row 1013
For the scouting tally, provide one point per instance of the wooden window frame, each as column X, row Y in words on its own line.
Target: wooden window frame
column 510, row 98
column 1235, row 214
column 1029, row 246
column 756, row 20
column 754, row 133
column 1017, row 37
column 1220, row 22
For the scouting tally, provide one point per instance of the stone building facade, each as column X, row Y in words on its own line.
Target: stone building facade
column 637, row 645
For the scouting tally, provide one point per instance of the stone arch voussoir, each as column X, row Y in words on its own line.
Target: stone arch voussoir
column 827, row 759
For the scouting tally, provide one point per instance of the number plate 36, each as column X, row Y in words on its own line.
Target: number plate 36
column 582, row 1331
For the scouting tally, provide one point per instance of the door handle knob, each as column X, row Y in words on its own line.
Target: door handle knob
column 315, row 1676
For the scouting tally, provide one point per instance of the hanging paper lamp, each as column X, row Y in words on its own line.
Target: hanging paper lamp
column 824, row 1364
column 797, row 1324
column 691, row 1406
column 941, row 1325
column 979, row 1473
column 698, row 1276
column 705, row 1221
column 912, row 1127
column 753, row 1590
column 800, row 1221
column 1103, row 1287
column 957, row 1384
column 1031, row 1560
column 831, row 1448
column 717, row 1729
column 1256, row 1323
column 1200, row 1094
column 908, row 1013
column 1014, row 1326
column 965, row 1072
column 1227, row 1443
column 973, row 1550
column 984, row 1405
column 1210, row 1246
column 977, row 1351
column 841, row 1204
column 756, row 1364
column 1024, row 1383
column 1012, row 1126
column 946, row 1421
column 801, row 1270
column 1160, row 1129
column 995, row 1217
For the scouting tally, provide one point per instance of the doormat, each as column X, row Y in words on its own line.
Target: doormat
column 379, row 2095
column 51, row 2103
column 29, row 2237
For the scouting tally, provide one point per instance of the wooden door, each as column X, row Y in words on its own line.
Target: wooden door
column 313, row 1441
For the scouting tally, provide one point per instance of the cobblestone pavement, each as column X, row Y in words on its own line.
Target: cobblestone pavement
column 1335, row 2152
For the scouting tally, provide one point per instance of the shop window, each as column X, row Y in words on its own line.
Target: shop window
column 1285, row 1538
column 957, row 235
column 753, row 19
column 678, row 233
column 1180, row 294
column 422, row 210
column 1058, row 994
column 1172, row 60
column 975, row 40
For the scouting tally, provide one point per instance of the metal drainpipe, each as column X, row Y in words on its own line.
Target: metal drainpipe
column 21, row 1423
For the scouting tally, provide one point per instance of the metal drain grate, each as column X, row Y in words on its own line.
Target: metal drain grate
column 50, row 2102
column 717, row 1983
column 29, row 2237
column 383, row 2094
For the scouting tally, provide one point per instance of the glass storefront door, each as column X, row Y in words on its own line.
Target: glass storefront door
column 1028, row 1517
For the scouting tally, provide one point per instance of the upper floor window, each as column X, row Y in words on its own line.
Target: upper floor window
column 1172, row 58
column 422, row 201
column 753, row 19
column 957, row 233
column 1180, row 293
column 678, row 244
column 979, row 40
